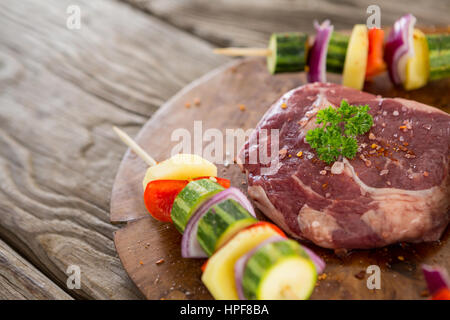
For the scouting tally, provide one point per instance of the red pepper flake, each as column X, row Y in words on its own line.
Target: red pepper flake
column 425, row 174
column 141, row 262
column 242, row 107
column 160, row 261
column 424, row 293
column 405, row 144
column 401, row 258
column 283, row 106
column 299, row 154
column 187, row 105
column 325, row 185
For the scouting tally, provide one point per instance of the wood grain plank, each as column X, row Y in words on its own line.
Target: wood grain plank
column 250, row 22
column 20, row 280
column 61, row 91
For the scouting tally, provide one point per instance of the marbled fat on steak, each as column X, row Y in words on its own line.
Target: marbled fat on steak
column 397, row 188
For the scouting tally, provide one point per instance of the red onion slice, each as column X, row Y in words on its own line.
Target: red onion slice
column 399, row 47
column 239, row 266
column 318, row 261
column 190, row 248
column 436, row 278
column 317, row 58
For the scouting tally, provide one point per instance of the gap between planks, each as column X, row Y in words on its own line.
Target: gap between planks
column 45, row 273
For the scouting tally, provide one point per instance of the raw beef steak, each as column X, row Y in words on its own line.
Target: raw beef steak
column 397, row 188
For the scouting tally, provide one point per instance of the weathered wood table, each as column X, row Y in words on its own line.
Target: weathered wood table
column 61, row 91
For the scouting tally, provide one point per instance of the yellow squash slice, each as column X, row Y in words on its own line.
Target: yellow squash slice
column 417, row 67
column 356, row 58
column 180, row 167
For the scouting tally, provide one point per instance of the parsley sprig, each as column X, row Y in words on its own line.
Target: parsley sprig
column 337, row 135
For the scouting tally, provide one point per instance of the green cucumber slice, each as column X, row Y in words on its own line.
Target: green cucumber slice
column 337, row 48
column 279, row 270
column 439, row 51
column 190, row 198
column 288, row 52
column 220, row 223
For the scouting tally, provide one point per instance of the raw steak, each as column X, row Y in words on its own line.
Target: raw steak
column 397, row 188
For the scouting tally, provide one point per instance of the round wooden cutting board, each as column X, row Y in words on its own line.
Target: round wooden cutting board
column 150, row 250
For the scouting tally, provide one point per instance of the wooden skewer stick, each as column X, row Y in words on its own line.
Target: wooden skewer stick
column 246, row 52
column 135, row 147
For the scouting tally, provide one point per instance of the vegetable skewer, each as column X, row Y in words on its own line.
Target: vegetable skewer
column 411, row 58
column 221, row 222
column 165, row 180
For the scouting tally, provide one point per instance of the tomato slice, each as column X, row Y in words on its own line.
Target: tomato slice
column 203, row 267
column 268, row 224
column 159, row 195
column 443, row 294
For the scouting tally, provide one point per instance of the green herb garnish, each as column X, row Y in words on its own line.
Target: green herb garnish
column 337, row 135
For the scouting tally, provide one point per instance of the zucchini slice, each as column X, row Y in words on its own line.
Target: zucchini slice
column 288, row 52
column 439, row 55
column 220, row 223
column 190, row 198
column 337, row 49
column 279, row 270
